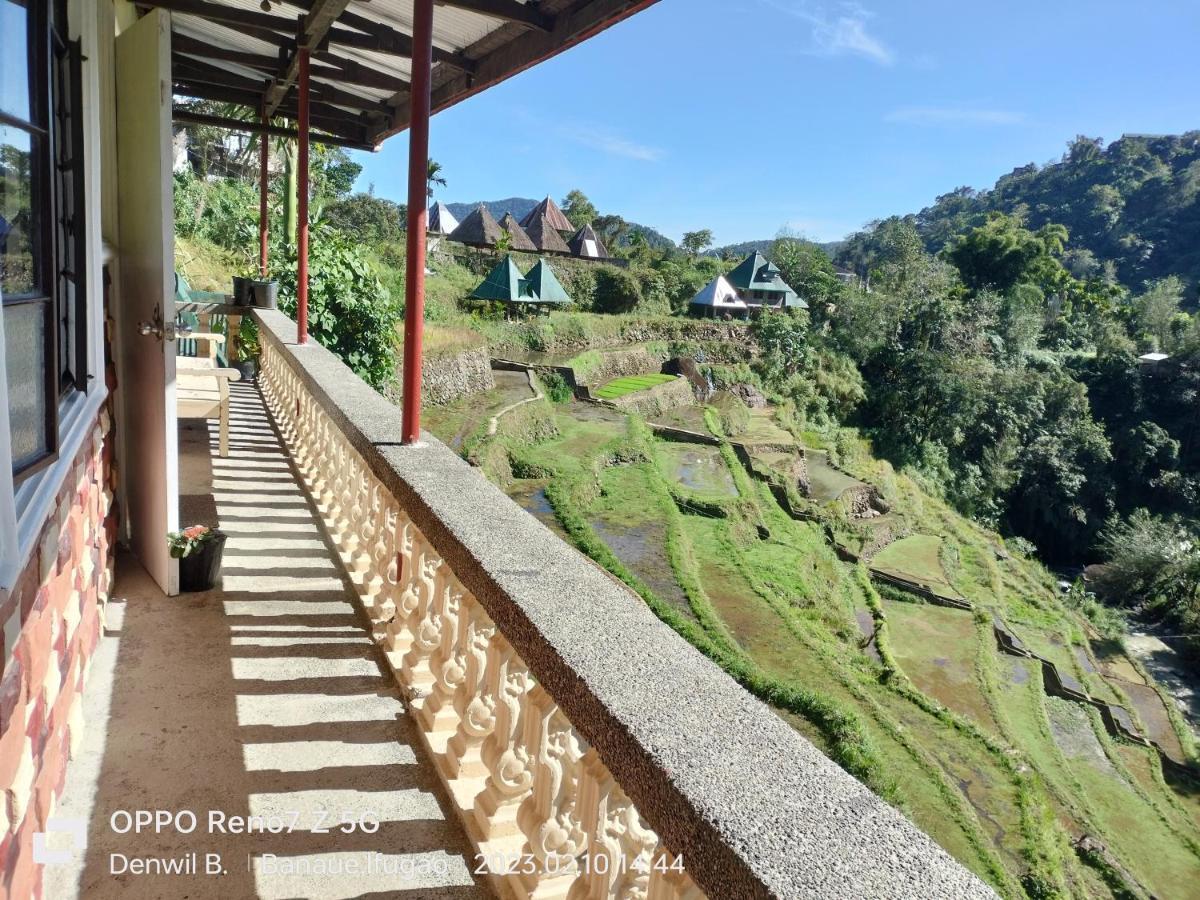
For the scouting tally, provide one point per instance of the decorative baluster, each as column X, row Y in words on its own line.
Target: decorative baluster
column 448, row 664
column 550, row 816
column 669, row 880
column 430, row 621
column 503, row 754
column 418, row 583
column 476, row 702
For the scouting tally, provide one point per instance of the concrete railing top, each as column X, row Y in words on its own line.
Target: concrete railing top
column 753, row 807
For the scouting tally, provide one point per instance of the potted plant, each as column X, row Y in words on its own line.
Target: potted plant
column 198, row 550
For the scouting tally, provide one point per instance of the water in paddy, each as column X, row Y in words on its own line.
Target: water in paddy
column 699, row 468
column 530, row 495
column 825, row 483
column 643, row 549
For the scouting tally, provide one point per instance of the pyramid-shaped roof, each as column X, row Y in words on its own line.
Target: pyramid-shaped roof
column 478, row 229
column 441, row 220
column 549, row 211
column 520, row 240
column 545, row 237
column 504, row 282
column 718, row 293
column 757, row 273
column 545, row 285
column 587, row 243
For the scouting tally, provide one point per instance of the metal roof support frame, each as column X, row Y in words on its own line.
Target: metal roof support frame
column 418, row 199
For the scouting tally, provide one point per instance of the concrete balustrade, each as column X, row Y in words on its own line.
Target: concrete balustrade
column 589, row 751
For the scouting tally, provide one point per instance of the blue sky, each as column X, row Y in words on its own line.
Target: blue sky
column 750, row 116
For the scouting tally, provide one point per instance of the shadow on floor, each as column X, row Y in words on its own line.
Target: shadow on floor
column 263, row 699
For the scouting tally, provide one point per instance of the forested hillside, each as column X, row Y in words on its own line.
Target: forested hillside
column 1132, row 208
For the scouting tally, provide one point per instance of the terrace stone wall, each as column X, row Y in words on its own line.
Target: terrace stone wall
column 448, row 377
column 657, row 400
column 51, row 624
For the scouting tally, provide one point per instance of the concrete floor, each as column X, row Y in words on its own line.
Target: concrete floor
column 262, row 698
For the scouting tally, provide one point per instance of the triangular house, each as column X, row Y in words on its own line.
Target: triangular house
column 718, row 296
column 549, row 211
column 504, row 282
column 758, row 282
column 519, row 239
column 587, row 244
column 478, row 229
column 545, row 285
column 441, row 220
column 545, row 237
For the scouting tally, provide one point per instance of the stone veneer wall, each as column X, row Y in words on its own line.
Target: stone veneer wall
column 447, row 377
column 51, row 625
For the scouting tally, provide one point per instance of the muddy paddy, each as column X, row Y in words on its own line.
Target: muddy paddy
column 530, row 495
column 643, row 549
column 1170, row 669
column 698, row 468
column 456, row 421
column 825, row 483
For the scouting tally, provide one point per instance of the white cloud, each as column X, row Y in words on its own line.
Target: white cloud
column 605, row 141
column 842, row 31
column 953, row 115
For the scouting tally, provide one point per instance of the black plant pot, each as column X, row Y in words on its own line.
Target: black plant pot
column 264, row 294
column 248, row 368
column 198, row 571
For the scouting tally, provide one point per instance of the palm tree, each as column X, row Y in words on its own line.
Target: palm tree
column 434, row 176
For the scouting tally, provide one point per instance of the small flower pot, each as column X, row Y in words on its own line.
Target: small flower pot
column 198, row 571
column 248, row 368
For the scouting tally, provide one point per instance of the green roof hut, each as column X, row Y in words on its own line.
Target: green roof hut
column 545, row 285
column 505, row 282
column 758, row 283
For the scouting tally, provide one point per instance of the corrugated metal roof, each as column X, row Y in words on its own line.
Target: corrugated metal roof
column 473, row 50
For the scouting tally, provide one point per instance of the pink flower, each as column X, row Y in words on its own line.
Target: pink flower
column 195, row 531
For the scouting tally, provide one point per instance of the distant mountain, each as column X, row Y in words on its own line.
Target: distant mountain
column 520, row 207
column 764, row 247
column 1133, row 204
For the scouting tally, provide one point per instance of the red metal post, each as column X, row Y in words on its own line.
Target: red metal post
column 418, row 173
column 262, row 200
column 302, row 204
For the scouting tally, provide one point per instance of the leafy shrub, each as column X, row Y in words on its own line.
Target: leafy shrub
column 349, row 311
column 556, row 387
column 617, row 291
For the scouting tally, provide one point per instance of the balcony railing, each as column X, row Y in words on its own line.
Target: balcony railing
column 588, row 750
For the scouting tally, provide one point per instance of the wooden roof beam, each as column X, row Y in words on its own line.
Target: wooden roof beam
column 182, row 43
column 226, row 15
column 510, row 10
column 333, row 119
column 381, row 38
column 572, row 26
column 314, row 26
column 188, row 117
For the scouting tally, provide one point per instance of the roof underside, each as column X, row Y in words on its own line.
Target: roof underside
column 232, row 51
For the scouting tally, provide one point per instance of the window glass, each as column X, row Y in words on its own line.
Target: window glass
column 18, row 234
column 14, row 60
column 25, row 361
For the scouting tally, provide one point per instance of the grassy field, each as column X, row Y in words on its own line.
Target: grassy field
column 916, row 558
column 961, row 737
column 620, row 387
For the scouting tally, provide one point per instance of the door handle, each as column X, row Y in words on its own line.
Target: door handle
column 164, row 331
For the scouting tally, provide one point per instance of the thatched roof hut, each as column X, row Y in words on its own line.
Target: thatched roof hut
column 546, row 238
column 478, row 229
column 587, row 244
column 549, row 211
column 519, row 239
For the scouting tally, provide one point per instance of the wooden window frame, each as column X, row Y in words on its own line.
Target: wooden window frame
column 46, row 199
